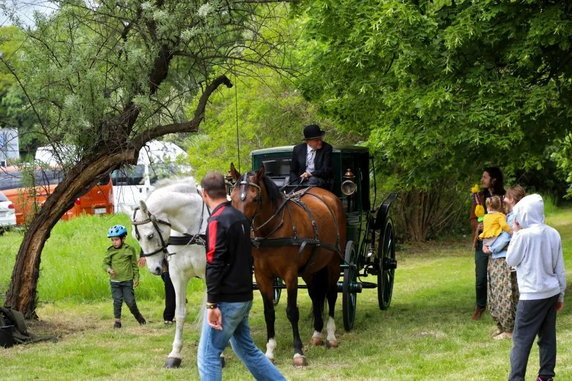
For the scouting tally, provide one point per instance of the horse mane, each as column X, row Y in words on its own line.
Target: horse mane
column 274, row 193
column 178, row 184
column 177, row 192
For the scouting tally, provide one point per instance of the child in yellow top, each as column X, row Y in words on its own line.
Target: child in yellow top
column 494, row 222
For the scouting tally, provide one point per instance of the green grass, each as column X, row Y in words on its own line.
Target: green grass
column 426, row 334
column 71, row 263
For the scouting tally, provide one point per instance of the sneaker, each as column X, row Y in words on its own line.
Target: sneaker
column 497, row 332
column 503, row 335
column 169, row 322
column 117, row 324
column 544, row 379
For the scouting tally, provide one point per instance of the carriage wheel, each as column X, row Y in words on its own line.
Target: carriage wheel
column 349, row 299
column 277, row 290
column 387, row 265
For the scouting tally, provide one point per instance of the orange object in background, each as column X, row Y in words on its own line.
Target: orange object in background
column 29, row 188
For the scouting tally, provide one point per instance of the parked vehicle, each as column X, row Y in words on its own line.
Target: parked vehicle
column 28, row 189
column 132, row 183
column 7, row 213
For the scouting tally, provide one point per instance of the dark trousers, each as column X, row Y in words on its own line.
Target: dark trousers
column 170, row 298
column 481, row 263
column 123, row 292
column 534, row 317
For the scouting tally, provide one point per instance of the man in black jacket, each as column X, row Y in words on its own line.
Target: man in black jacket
column 311, row 163
column 229, row 288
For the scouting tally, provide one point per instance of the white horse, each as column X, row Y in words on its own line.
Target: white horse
column 170, row 226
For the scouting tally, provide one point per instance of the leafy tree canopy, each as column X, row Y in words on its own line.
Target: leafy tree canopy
column 265, row 109
column 440, row 88
column 11, row 40
column 14, row 110
column 105, row 72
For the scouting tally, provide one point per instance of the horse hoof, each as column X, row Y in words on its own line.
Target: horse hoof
column 317, row 341
column 173, row 363
column 300, row 361
column 331, row 344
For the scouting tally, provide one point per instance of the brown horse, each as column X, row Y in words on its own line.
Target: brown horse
column 300, row 235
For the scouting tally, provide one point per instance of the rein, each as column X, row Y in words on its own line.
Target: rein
column 187, row 239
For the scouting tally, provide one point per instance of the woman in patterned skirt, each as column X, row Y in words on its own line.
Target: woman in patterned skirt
column 502, row 286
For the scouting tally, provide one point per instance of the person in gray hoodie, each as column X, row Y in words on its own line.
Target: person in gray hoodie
column 536, row 252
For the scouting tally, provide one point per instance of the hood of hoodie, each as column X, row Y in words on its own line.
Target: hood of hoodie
column 529, row 211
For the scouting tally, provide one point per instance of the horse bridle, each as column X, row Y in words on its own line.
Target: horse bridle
column 196, row 239
column 243, row 186
column 151, row 219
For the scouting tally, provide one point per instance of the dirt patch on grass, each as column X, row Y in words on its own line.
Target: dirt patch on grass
column 62, row 320
column 58, row 328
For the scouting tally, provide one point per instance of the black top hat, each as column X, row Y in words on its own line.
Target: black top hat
column 313, row 131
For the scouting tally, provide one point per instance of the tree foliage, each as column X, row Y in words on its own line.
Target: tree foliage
column 441, row 88
column 441, row 84
column 128, row 64
column 265, row 110
column 11, row 38
column 14, row 110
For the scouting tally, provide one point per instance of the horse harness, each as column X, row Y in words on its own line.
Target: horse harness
column 185, row 239
column 295, row 198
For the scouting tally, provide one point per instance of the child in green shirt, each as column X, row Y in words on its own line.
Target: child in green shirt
column 121, row 264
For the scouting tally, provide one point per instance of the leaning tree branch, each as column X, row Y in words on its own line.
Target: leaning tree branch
column 190, row 126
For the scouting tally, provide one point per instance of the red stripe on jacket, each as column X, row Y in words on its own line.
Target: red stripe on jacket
column 219, row 211
column 212, row 236
column 211, row 240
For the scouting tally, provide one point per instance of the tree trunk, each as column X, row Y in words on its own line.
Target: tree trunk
column 22, row 294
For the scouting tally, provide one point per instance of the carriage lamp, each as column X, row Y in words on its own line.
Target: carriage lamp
column 348, row 186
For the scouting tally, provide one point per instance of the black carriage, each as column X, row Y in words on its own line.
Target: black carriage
column 370, row 248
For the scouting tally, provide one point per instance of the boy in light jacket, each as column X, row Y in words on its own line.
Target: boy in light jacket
column 536, row 252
